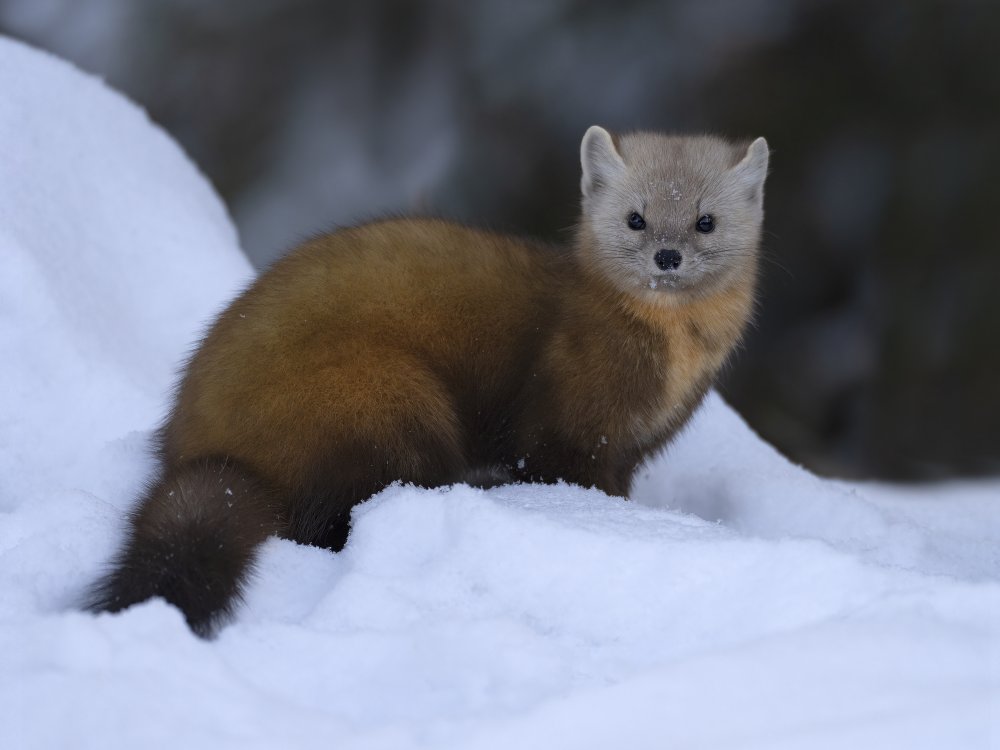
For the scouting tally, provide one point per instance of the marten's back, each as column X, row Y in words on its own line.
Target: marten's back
column 358, row 332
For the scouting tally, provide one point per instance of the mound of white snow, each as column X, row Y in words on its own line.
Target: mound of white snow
column 740, row 603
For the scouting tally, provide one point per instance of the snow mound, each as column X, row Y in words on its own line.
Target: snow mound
column 740, row 602
column 720, row 470
column 114, row 250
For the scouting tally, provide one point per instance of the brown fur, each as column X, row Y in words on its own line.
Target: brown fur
column 372, row 340
column 433, row 353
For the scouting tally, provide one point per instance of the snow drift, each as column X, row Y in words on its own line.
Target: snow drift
column 738, row 602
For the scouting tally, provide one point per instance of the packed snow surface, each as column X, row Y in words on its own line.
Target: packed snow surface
column 737, row 602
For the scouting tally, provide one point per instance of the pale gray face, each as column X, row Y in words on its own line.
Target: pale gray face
column 672, row 214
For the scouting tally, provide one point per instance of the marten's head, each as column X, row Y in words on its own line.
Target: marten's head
column 672, row 216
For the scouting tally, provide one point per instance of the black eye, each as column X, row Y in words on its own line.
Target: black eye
column 635, row 221
column 705, row 224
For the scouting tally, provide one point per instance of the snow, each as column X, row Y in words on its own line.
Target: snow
column 738, row 601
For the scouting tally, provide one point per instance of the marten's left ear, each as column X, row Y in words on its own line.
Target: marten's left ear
column 600, row 160
column 750, row 172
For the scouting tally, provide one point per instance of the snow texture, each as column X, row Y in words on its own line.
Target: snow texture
column 737, row 602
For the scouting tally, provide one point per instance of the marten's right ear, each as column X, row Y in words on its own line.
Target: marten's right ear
column 600, row 160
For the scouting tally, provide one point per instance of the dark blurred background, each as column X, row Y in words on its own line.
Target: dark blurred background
column 877, row 350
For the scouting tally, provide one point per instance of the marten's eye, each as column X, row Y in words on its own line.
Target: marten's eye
column 705, row 223
column 635, row 221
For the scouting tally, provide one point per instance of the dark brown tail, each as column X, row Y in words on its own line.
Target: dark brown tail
column 192, row 541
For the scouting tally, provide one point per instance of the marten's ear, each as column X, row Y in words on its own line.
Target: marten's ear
column 600, row 160
column 752, row 170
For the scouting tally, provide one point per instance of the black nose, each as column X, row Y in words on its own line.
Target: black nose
column 667, row 260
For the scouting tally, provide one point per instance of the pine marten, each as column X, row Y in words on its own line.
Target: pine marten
column 426, row 352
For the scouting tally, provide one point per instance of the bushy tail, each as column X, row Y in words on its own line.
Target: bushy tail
column 192, row 541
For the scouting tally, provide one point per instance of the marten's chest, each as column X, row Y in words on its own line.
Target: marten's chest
column 687, row 365
column 691, row 345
